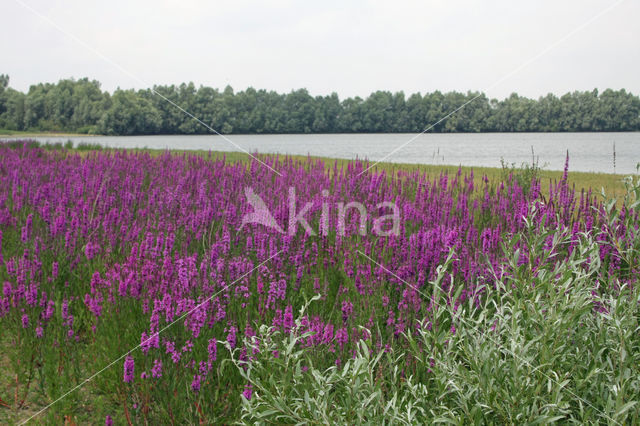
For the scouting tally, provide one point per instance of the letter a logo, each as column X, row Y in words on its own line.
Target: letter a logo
column 261, row 214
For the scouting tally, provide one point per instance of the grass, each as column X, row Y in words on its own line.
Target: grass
column 612, row 184
column 90, row 400
column 33, row 134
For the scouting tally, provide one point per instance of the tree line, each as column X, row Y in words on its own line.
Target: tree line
column 81, row 106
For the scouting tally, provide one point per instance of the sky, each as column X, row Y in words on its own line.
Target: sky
column 351, row 48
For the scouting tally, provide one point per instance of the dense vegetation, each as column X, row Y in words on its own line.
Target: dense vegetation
column 82, row 107
column 493, row 304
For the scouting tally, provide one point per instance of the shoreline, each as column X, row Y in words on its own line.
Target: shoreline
column 25, row 134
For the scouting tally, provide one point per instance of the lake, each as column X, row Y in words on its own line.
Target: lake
column 588, row 152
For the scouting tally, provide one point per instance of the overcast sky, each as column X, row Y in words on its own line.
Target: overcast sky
column 352, row 48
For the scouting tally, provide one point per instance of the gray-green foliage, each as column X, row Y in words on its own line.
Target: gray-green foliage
column 289, row 389
column 551, row 339
column 536, row 350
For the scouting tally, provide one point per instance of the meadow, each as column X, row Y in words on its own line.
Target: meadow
column 133, row 292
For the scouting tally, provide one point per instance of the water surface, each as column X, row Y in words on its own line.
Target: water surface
column 588, row 152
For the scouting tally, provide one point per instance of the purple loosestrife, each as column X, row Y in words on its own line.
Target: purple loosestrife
column 347, row 309
column 277, row 319
column 27, row 228
column 160, row 234
column 91, row 250
column 31, row 295
column 327, row 335
column 128, row 369
column 212, row 350
column 342, row 337
column 196, row 383
column 156, row 370
column 197, row 319
column 147, row 342
column 231, row 336
column 287, row 321
column 248, row 391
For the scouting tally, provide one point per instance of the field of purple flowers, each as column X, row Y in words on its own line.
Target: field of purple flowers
column 138, row 273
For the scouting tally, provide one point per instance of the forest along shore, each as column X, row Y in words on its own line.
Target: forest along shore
column 81, row 106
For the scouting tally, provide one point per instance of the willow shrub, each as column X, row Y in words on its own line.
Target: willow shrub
column 551, row 341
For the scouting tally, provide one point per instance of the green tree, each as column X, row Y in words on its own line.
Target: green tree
column 130, row 114
column 81, row 106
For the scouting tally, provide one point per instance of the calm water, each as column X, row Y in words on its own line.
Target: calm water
column 588, row 152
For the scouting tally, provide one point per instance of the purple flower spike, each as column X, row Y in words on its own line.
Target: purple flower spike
column 248, row 391
column 25, row 321
column 128, row 369
column 195, row 384
column 156, row 370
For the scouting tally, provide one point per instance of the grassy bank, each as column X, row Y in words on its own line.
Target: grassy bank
column 34, row 134
column 612, row 184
